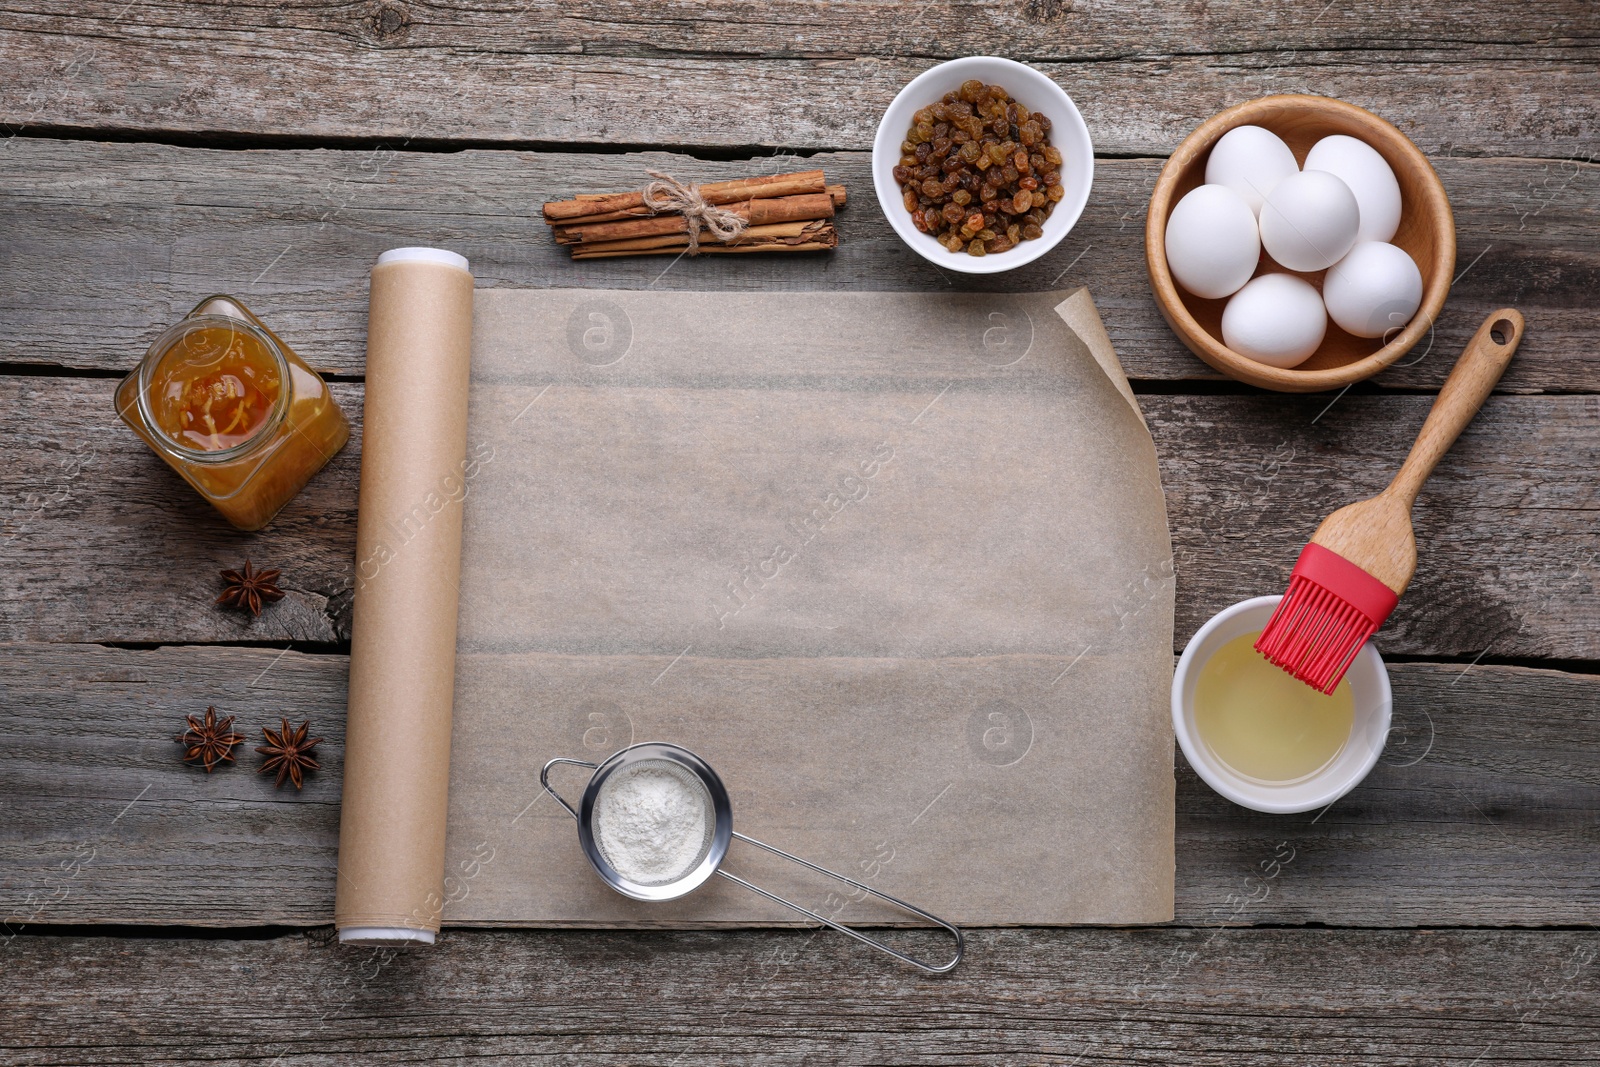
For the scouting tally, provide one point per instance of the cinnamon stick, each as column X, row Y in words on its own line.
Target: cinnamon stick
column 759, row 212
column 786, row 234
column 585, row 208
column 808, row 246
column 836, row 192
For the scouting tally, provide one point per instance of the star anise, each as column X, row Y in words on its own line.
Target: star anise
column 247, row 589
column 211, row 742
column 288, row 752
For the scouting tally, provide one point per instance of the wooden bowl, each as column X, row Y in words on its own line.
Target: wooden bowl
column 1427, row 231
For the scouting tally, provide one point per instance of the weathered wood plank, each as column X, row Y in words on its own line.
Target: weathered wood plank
column 1473, row 817
column 108, row 244
column 1239, row 998
column 821, row 30
column 1247, row 479
column 803, row 74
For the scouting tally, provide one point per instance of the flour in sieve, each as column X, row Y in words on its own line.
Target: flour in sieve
column 652, row 824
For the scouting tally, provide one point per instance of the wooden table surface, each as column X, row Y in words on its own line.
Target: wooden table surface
column 1443, row 913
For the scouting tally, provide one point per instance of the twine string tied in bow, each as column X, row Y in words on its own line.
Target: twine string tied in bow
column 666, row 194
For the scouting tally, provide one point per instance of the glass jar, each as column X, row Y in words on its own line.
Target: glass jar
column 231, row 408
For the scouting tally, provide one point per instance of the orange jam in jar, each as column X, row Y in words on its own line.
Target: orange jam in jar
column 234, row 410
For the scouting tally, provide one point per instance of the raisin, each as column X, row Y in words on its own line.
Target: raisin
column 977, row 170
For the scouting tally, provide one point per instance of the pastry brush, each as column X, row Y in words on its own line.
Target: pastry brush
column 1362, row 557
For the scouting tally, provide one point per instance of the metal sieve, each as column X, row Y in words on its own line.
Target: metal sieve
column 697, row 775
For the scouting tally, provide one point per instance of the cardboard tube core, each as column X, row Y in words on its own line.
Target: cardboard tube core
column 408, row 562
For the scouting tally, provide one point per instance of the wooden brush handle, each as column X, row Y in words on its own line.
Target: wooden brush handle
column 1464, row 392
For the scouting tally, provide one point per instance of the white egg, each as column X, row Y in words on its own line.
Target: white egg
column 1374, row 291
column 1369, row 177
column 1211, row 240
column 1309, row 220
column 1250, row 161
column 1277, row 319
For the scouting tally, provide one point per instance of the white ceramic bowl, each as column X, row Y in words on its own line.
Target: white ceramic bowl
column 1031, row 89
column 1369, row 685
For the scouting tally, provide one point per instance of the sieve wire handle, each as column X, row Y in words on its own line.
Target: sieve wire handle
column 936, row 968
column 544, row 780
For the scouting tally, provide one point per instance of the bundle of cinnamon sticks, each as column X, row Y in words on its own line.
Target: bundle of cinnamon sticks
column 781, row 212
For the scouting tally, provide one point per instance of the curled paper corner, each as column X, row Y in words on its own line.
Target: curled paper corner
column 1080, row 314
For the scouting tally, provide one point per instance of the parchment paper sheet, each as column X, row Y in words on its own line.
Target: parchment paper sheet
column 896, row 564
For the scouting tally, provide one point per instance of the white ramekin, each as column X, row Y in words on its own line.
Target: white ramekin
column 1028, row 87
column 1374, row 705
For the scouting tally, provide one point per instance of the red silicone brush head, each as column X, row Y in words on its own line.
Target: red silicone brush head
column 1330, row 610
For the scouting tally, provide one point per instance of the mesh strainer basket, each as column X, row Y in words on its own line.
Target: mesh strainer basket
column 697, row 777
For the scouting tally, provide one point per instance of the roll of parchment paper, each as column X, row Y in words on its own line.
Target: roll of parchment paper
column 408, row 563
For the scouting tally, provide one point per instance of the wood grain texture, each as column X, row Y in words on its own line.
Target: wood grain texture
column 1247, row 480
column 801, row 74
column 1238, row 998
column 107, row 244
column 1472, row 817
